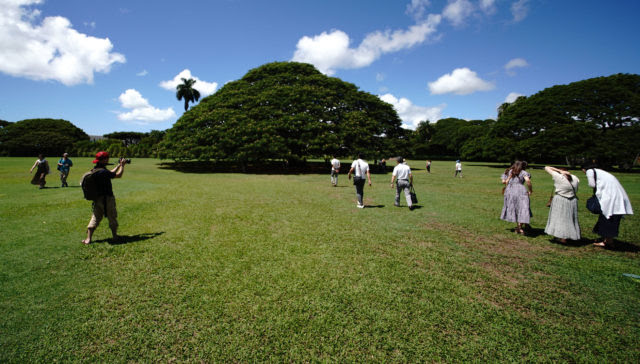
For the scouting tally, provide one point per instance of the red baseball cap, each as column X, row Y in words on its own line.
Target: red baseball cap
column 100, row 156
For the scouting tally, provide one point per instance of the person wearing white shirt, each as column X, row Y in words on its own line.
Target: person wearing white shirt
column 360, row 169
column 404, row 179
column 335, row 169
column 458, row 169
column 614, row 203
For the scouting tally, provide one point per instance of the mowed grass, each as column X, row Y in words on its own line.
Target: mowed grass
column 245, row 268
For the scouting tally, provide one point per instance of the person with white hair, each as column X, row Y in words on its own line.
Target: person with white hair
column 64, row 165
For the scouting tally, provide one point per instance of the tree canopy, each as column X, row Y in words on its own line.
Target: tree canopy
column 284, row 110
column 33, row 136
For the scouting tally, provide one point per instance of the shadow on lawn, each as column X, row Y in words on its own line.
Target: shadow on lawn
column 126, row 239
column 268, row 167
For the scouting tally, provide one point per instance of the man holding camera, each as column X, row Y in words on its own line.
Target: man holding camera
column 105, row 203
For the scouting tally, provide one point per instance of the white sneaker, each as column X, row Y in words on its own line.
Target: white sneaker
column 360, row 206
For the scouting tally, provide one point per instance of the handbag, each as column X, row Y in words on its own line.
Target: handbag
column 412, row 192
column 593, row 204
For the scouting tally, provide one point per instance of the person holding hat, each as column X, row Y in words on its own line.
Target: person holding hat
column 64, row 165
column 105, row 203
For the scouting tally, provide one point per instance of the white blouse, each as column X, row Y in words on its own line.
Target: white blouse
column 613, row 198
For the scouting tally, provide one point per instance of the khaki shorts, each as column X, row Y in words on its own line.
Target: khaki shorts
column 99, row 212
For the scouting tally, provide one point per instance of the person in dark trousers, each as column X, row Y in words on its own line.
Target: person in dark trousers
column 105, row 203
column 64, row 165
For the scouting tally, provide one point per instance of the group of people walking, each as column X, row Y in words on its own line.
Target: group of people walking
column 562, row 222
column 41, row 166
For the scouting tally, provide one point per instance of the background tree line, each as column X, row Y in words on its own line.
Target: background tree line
column 291, row 112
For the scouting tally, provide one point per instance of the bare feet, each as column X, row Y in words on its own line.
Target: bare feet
column 600, row 244
column 86, row 241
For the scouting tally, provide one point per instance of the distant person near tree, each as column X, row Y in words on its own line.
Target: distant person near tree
column 360, row 169
column 335, row 170
column 105, row 203
column 428, row 166
column 563, row 212
column 614, row 203
column 404, row 179
column 64, row 165
column 42, row 170
column 458, row 169
column 516, row 206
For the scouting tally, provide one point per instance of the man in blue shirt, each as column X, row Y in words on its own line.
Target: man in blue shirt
column 64, row 165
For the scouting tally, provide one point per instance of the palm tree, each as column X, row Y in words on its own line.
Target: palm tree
column 186, row 91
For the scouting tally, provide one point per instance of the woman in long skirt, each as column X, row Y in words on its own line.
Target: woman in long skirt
column 516, row 196
column 43, row 169
column 563, row 213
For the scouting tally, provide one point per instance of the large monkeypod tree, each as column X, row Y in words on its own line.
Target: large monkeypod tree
column 597, row 118
column 284, row 111
column 33, row 136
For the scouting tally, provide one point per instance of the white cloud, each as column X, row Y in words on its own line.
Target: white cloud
column 380, row 77
column 51, row 50
column 141, row 110
column 512, row 97
column 330, row 51
column 142, row 73
column 520, row 10
column 515, row 63
column 462, row 81
column 457, row 11
column 412, row 114
column 205, row 88
column 488, row 6
column 417, row 8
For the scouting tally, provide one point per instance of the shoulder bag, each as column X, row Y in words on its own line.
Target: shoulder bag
column 593, row 204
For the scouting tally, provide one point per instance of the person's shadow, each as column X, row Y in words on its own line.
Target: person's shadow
column 373, row 206
column 126, row 239
column 623, row 246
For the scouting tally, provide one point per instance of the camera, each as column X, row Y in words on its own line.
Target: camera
column 126, row 160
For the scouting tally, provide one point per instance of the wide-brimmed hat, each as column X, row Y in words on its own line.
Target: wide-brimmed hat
column 101, row 156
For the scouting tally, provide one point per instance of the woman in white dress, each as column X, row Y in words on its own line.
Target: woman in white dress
column 614, row 203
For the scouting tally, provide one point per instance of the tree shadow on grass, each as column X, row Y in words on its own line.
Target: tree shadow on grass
column 267, row 167
column 126, row 239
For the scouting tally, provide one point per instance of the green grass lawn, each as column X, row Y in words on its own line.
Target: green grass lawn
column 245, row 268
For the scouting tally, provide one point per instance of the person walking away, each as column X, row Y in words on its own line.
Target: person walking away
column 335, row 170
column 562, row 222
column 428, row 166
column 42, row 170
column 360, row 169
column 516, row 197
column 458, row 169
column 64, row 165
column 105, row 203
column 404, row 180
column 614, row 203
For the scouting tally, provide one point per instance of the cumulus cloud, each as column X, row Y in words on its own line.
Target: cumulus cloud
column 515, row 63
column 462, row 81
column 141, row 111
column 457, row 11
column 418, row 8
column 488, row 6
column 511, row 97
column 411, row 114
column 205, row 88
column 330, row 51
column 520, row 10
column 50, row 50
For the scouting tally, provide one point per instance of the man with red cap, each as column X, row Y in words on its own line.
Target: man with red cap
column 105, row 203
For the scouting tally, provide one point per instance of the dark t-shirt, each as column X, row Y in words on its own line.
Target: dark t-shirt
column 103, row 180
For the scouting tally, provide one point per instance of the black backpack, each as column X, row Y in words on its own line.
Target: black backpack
column 90, row 185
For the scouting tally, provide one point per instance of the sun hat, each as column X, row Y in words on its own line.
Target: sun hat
column 101, row 156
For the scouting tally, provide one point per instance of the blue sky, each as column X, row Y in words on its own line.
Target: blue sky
column 113, row 65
